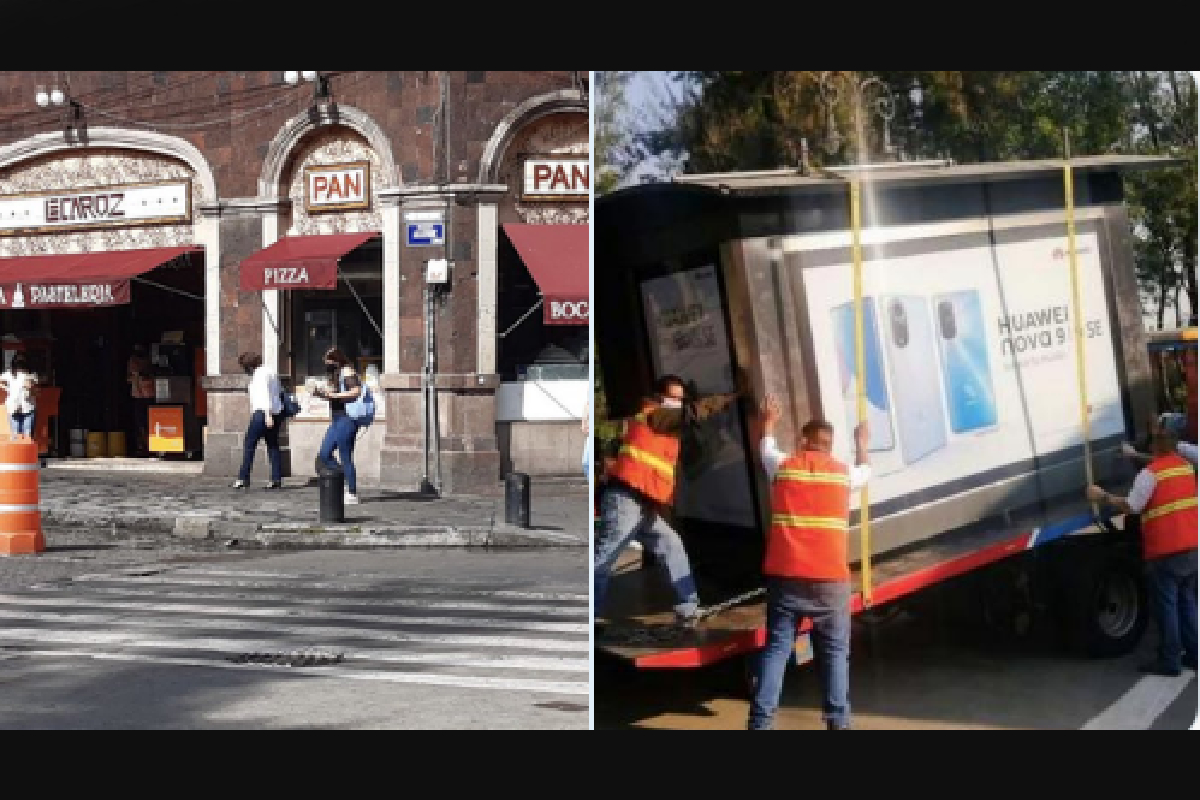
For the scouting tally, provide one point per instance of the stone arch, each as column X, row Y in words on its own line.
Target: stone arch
column 47, row 144
column 530, row 110
column 294, row 130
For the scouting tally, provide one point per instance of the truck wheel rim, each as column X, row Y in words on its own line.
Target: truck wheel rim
column 1118, row 610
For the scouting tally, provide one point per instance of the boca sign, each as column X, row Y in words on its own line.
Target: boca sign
column 337, row 187
column 565, row 312
column 556, row 179
column 130, row 204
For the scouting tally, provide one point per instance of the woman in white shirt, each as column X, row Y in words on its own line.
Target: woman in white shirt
column 266, row 407
column 18, row 383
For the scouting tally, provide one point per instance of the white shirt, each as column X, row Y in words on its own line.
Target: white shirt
column 1144, row 483
column 19, row 399
column 772, row 457
column 264, row 391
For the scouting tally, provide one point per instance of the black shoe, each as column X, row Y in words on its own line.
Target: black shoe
column 1190, row 663
column 238, row 484
column 1156, row 667
column 830, row 726
column 274, row 485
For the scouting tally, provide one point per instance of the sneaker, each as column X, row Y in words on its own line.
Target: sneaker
column 688, row 621
column 238, row 484
column 274, row 485
column 1156, row 667
column 350, row 499
column 837, row 726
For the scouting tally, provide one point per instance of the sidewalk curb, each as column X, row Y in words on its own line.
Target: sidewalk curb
column 294, row 535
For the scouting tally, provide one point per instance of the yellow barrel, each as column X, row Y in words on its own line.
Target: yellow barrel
column 97, row 445
column 116, row 444
column 20, row 514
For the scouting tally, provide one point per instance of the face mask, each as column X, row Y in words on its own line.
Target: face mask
column 672, row 402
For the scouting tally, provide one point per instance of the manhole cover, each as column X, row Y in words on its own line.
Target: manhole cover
column 559, row 705
column 292, row 659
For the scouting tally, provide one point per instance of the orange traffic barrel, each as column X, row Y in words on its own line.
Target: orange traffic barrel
column 20, row 515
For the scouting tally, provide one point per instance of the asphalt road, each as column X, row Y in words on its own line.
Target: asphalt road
column 108, row 631
column 912, row 674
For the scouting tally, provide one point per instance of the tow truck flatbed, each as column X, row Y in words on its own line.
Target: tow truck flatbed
column 640, row 630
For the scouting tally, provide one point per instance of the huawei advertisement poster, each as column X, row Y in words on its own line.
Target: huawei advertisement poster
column 969, row 357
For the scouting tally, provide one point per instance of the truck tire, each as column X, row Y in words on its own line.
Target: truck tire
column 1103, row 602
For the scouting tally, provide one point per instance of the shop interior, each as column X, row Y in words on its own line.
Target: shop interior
column 348, row 317
column 527, row 348
column 84, row 405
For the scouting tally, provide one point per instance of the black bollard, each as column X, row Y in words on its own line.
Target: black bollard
column 516, row 499
column 333, row 501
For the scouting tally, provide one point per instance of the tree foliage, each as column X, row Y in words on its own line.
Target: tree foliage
column 731, row 121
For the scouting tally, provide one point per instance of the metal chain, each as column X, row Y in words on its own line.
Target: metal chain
column 719, row 607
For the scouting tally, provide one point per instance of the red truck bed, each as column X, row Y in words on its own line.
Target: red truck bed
column 639, row 616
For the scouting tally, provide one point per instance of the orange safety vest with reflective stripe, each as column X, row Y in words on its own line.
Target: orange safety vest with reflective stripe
column 647, row 460
column 810, row 505
column 1169, row 519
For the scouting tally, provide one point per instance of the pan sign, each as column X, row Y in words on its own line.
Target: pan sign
column 337, row 187
column 557, row 179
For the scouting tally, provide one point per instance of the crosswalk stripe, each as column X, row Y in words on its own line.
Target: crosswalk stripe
column 348, row 598
column 466, row 682
column 286, row 613
column 442, row 587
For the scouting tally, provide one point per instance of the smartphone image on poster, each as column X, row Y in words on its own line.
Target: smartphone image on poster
column 962, row 346
column 881, row 435
column 912, row 365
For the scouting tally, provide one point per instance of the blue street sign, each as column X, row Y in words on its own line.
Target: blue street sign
column 425, row 233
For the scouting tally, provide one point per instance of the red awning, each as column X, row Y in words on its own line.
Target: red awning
column 81, row 280
column 557, row 258
column 300, row 262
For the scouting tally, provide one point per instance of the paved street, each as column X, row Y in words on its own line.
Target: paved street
column 913, row 673
column 121, row 630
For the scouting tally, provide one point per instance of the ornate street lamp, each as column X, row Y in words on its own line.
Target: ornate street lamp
column 869, row 93
column 319, row 80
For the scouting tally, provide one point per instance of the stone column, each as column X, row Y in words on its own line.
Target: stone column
column 470, row 459
column 238, row 327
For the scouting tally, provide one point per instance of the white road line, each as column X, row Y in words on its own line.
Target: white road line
column 181, row 579
column 230, row 590
column 130, row 639
column 1138, row 708
column 101, row 605
column 442, row 587
column 512, row 684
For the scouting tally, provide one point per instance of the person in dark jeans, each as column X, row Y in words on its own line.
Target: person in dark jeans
column 806, row 563
column 266, row 407
column 343, row 430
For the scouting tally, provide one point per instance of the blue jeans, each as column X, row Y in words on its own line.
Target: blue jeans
column 340, row 437
column 624, row 517
column 258, row 430
column 827, row 604
column 1171, row 581
column 23, row 423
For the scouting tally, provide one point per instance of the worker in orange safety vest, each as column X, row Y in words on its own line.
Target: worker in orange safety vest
column 807, row 563
column 1164, row 494
column 640, row 491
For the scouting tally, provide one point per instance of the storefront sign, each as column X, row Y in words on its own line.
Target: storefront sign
column 565, row 312
column 557, row 179
column 64, row 295
column 131, row 204
column 338, row 187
